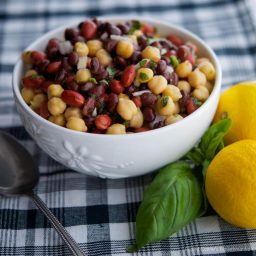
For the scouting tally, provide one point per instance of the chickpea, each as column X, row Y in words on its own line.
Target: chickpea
column 176, row 108
column 144, row 75
column 157, row 84
column 94, row 46
column 172, row 91
column 208, row 69
column 73, row 112
column 201, row 93
column 183, row 69
column 27, row 94
column 59, row 120
column 137, row 120
column 126, row 108
column 152, row 53
column 123, row 96
column 30, row 72
column 77, row 124
column 103, row 57
column 81, row 49
column 124, row 49
column 116, row 129
column 184, row 86
column 26, row 57
column 37, row 100
column 209, row 86
column 56, row 106
column 196, row 78
column 83, row 75
column 172, row 119
column 54, row 90
column 201, row 60
column 138, row 33
column 165, row 106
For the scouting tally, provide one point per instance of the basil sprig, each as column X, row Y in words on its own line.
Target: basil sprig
column 177, row 195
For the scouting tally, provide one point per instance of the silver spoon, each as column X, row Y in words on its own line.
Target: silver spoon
column 19, row 175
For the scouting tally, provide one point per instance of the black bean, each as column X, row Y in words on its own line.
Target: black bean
column 142, row 41
column 120, row 62
column 123, row 28
column 166, row 59
column 60, row 76
column 110, row 45
column 158, row 125
column 161, row 67
column 131, row 89
column 101, row 76
column 71, row 33
column 73, row 86
column 167, row 75
column 41, row 67
column 53, row 53
column 65, row 64
column 87, row 86
column 148, row 114
column 136, row 57
column 98, row 90
column 148, row 99
column 77, row 39
column 174, row 79
column 112, row 102
column 114, row 30
column 89, row 106
column 94, row 65
column 89, row 121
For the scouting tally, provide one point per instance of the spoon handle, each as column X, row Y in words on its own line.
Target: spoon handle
column 72, row 245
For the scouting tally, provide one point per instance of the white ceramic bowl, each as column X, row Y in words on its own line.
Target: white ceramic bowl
column 119, row 156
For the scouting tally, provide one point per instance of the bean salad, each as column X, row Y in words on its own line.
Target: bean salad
column 109, row 78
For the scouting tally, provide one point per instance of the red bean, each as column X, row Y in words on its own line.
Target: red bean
column 88, row 29
column 54, row 67
column 102, row 122
column 149, row 114
column 72, row 98
column 38, row 56
column 112, row 102
column 137, row 101
column 116, row 86
column 89, row 106
column 148, row 99
column 128, row 76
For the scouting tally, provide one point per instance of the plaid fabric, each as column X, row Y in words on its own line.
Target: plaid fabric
column 99, row 213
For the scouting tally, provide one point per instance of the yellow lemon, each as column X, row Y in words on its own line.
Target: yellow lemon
column 230, row 183
column 239, row 104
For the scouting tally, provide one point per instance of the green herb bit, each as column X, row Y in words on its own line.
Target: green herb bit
column 152, row 64
column 143, row 76
column 101, row 108
column 164, row 101
column 197, row 102
column 111, row 71
column 93, row 80
column 126, row 123
column 174, row 61
column 136, row 25
column 104, row 81
column 92, row 95
column 143, row 63
column 34, row 76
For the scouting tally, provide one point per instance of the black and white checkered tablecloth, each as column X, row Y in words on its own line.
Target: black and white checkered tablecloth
column 99, row 213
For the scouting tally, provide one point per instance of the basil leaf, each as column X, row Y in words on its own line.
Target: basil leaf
column 213, row 137
column 164, row 101
column 173, row 199
column 195, row 155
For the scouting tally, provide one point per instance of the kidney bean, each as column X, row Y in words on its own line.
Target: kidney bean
column 102, row 122
column 33, row 82
column 41, row 67
column 43, row 110
column 157, row 45
column 86, row 87
column 89, row 106
column 190, row 106
column 54, row 67
column 183, row 101
column 77, row 39
column 128, row 75
column 101, row 76
column 148, row 114
column 184, row 53
column 112, row 102
column 175, row 40
column 170, row 53
column 89, row 121
column 174, row 79
column 120, row 62
column 166, row 59
column 137, row 101
column 141, row 129
column 45, row 84
column 65, row 65
column 98, row 90
column 94, row 65
column 148, row 99
column 116, row 86
column 88, row 29
column 37, row 56
column 97, row 131
column 73, row 58
column 158, row 125
column 53, row 43
column 113, row 29
column 136, row 57
column 53, row 53
column 72, row 98
column 110, row 46
column 142, row 41
column 131, row 89
column 147, row 29
column 71, row 83
column 71, row 33
column 60, row 76
column 161, row 67
column 123, row 28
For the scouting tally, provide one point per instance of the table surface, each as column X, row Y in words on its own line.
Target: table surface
column 99, row 213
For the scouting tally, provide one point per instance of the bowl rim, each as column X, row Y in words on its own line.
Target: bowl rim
column 117, row 18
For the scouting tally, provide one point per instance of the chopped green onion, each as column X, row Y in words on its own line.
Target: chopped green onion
column 93, row 80
column 174, row 61
column 143, row 63
column 143, row 76
column 152, row 64
column 136, row 25
column 34, row 76
column 111, row 71
column 164, row 101
column 104, row 81
column 197, row 102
